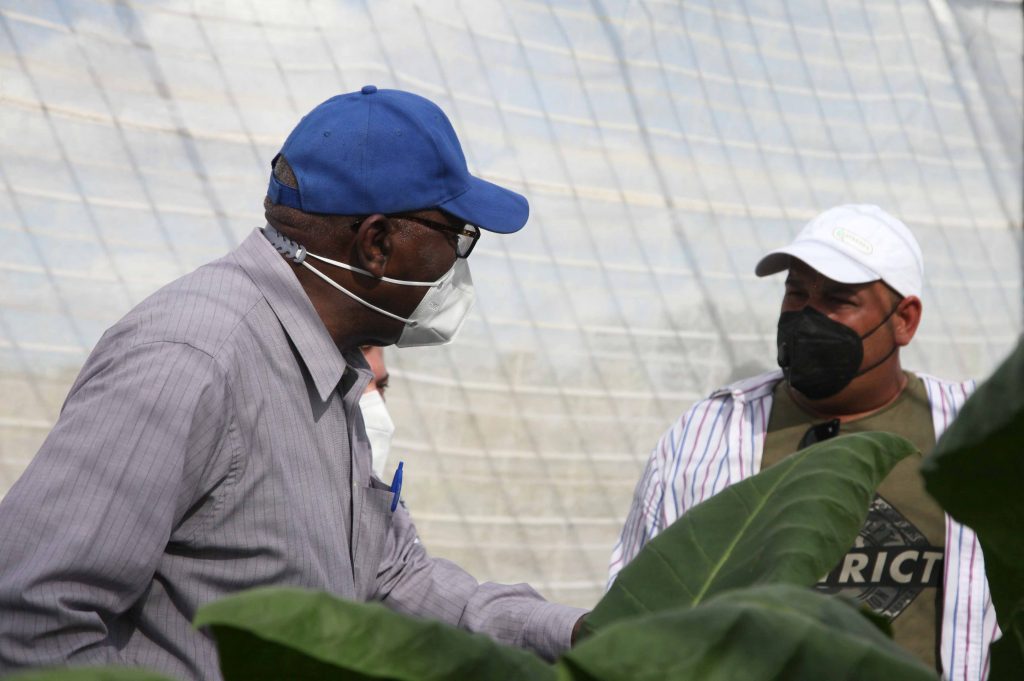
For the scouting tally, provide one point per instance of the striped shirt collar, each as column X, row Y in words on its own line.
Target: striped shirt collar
column 750, row 388
column 286, row 297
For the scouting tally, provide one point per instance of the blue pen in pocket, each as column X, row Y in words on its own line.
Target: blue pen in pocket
column 396, row 486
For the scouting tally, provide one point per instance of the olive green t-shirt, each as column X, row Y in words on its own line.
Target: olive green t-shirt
column 896, row 564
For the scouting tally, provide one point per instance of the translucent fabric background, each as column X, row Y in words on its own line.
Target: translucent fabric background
column 664, row 146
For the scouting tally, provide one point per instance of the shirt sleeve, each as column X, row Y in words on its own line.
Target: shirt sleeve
column 644, row 518
column 84, row 528
column 656, row 503
column 412, row 582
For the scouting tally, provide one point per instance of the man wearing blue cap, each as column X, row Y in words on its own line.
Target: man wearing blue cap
column 212, row 441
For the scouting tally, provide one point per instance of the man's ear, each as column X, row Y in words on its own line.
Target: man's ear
column 371, row 247
column 906, row 320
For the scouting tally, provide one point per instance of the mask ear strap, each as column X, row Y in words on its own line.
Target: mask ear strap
column 884, row 320
column 358, row 270
column 879, row 362
column 407, row 322
column 285, row 246
column 297, row 253
column 894, row 346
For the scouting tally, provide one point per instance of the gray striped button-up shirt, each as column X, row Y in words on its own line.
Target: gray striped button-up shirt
column 212, row 443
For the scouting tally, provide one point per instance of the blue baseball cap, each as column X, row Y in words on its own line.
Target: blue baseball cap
column 388, row 151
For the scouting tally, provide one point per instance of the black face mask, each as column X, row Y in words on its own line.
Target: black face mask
column 819, row 356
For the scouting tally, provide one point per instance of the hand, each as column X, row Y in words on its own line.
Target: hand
column 576, row 629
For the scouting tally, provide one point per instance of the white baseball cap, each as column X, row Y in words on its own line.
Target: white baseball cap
column 855, row 244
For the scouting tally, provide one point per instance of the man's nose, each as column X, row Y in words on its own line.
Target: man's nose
column 819, row 304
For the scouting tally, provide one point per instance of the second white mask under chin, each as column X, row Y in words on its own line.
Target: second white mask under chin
column 379, row 429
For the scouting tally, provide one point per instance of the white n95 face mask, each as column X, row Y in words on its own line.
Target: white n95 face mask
column 439, row 316
column 379, row 429
column 435, row 321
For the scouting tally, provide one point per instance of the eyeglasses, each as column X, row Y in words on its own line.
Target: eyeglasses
column 467, row 236
column 819, row 433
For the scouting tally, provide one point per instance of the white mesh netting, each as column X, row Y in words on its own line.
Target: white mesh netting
column 664, row 146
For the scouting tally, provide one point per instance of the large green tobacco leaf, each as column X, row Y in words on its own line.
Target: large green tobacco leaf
column 791, row 523
column 977, row 473
column 295, row 634
column 89, row 674
column 1008, row 651
column 757, row 634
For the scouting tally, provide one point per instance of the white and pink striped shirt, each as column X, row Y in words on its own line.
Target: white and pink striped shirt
column 720, row 440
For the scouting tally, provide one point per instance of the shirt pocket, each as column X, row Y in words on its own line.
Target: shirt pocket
column 372, row 525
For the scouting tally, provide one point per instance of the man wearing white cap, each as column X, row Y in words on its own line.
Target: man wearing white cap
column 852, row 300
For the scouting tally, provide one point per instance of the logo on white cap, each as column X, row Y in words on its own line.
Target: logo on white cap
column 852, row 240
